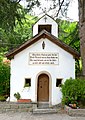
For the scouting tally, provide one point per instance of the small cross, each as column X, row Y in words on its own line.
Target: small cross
column 45, row 18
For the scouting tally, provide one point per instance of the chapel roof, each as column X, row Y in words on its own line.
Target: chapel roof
column 43, row 34
column 43, row 17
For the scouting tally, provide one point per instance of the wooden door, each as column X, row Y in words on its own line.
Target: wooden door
column 43, row 88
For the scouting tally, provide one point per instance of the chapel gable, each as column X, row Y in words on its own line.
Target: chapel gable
column 46, row 23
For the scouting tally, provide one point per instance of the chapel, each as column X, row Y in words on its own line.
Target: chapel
column 41, row 64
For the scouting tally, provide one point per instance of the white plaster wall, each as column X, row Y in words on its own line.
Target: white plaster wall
column 49, row 21
column 20, row 69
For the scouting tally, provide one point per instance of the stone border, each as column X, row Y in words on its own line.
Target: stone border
column 16, row 107
column 74, row 112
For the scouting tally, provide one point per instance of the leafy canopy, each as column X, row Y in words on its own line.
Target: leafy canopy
column 10, row 11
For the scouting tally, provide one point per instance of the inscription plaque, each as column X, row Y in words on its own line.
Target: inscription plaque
column 43, row 58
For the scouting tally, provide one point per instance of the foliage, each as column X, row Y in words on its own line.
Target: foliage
column 31, row 4
column 10, row 11
column 10, row 40
column 15, row 23
column 73, row 91
column 4, row 77
column 17, row 95
column 25, row 31
column 26, row 85
column 2, row 98
column 69, row 33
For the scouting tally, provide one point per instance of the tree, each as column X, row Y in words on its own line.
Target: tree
column 69, row 33
column 20, row 34
column 15, row 24
column 10, row 11
column 82, row 30
column 4, row 76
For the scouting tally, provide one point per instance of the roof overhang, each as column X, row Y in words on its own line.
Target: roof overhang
column 44, row 34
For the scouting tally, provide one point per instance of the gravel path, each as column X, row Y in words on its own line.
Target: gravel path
column 30, row 116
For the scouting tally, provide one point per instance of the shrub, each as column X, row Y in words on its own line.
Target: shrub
column 4, row 78
column 73, row 91
column 17, row 95
column 26, row 85
column 2, row 98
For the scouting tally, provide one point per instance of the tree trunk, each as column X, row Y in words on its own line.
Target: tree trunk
column 82, row 32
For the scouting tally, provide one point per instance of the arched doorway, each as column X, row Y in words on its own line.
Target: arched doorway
column 43, row 88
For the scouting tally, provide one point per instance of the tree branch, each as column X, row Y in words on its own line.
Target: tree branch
column 60, row 5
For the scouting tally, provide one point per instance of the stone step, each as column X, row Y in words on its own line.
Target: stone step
column 43, row 105
column 44, row 111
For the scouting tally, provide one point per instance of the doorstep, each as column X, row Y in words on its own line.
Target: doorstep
column 44, row 111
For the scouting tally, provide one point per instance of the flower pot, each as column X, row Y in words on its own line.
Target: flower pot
column 74, row 105
column 24, row 100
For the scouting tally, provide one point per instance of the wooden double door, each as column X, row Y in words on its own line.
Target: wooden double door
column 43, row 88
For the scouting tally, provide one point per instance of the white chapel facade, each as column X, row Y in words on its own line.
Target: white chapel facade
column 41, row 64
